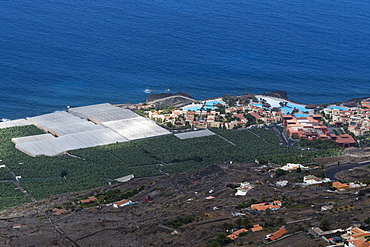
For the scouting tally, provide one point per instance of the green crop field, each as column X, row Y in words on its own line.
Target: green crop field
column 93, row 167
column 11, row 196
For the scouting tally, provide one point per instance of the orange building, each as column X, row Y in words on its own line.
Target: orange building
column 340, row 186
column 276, row 235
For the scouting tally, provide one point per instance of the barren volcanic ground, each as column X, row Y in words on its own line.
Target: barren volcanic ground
column 181, row 195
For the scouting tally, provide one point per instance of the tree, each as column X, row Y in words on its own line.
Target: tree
column 241, row 205
column 252, row 201
column 222, row 239
column 361, row 193
column 251, row 119
column 213, row 244
column 227, row 226
column 325, row 224
column 280, row 172
column 238, row 222
column 280, row 221
column 247, row 222
column 367, row 220
column 63, row 175
column 268, row 211
column 263, row 197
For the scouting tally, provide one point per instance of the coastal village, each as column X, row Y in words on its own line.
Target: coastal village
column 326, row 122
column 325, row 203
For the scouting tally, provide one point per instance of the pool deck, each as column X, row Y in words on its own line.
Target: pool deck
column 274, row 102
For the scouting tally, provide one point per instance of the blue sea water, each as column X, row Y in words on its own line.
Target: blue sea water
column 62, row 53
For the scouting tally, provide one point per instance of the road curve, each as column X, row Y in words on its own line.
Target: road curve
column 331, row 172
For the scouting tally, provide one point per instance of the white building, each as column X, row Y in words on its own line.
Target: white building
column 310, row 180
column 292, row 167
column 122, row 203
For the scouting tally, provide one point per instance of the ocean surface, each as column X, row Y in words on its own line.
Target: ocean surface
column 55, row 54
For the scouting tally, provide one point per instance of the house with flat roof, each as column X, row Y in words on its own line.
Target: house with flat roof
column 311, row 179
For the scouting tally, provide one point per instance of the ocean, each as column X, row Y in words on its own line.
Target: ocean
column 55, row 54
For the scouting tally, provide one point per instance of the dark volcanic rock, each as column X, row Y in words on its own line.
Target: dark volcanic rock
column 310, row 106
column 278, row 94
column 154, row 97
column 163, row 100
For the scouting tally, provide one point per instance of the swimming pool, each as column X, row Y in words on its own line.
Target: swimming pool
column 299, row 107
column 301, row 115
column 338, row 108
column 197, row 108
column 287, row 110
column 212, row 103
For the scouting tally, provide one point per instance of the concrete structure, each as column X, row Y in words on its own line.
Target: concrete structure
column 317, row 232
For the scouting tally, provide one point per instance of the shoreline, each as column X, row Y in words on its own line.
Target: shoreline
column 274, row 99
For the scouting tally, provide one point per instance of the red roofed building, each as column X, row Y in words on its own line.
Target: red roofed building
column 356, row 237
column 235, row 234
column 340, row 186
column 365, row 104
column 265, row 205
column 256, row 228
column 58, row 211
column 344, row 141
column 357, row 243
column 88, row 200
column 305, row 127
column 276, row 235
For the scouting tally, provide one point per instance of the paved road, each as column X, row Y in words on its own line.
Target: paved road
column 331, row 172
column 280, row 131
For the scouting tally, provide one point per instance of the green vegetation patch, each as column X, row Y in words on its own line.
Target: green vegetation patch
column 301, row 157
column 93, row 167
column 180, row 221
column 317, row 144
column 11, row 196
column 5, row 174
